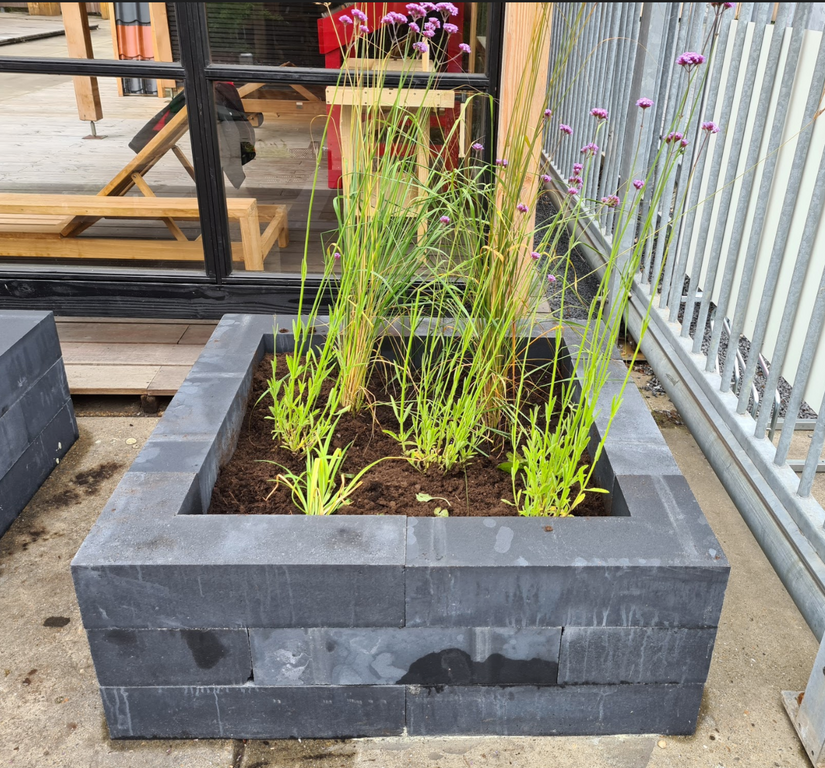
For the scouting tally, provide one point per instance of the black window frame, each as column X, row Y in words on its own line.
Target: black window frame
column 215, row 290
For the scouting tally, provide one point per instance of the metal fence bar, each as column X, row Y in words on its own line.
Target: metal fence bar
column 752, row 158
column 718, row 52
column 763, row 13
column 715, row 171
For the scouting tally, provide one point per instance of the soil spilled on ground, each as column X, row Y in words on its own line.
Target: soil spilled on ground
column 246, row 484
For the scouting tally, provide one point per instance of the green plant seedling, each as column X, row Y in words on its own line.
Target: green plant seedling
column 425, row 497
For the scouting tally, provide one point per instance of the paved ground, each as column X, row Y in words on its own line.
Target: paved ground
column 50, row 713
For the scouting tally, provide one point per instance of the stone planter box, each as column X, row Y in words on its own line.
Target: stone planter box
column 37, row 423
column 274, row 627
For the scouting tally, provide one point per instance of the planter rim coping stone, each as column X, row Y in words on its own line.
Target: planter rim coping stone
column 154, row 518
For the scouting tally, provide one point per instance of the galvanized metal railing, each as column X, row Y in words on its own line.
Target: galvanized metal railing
column 736, row 274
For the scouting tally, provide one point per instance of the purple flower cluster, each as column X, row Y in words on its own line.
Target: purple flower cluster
column 450, row 29
column 535, row 255
column 644, row 103
column 572, row 191
column 336, row 256
column 394, row 18
column 445, row 9
column 690, row 59
column 548, row 113
column 566, row 129
column 421, row 46
column 722, row 6
column 464, row 47
column 611, row 201
column 577, row 168
column 639, row 183
column 551, row 278
column 546, row 179
column 710, row 127
column 359, row 15
column 477, row 147
column 522, row 208
column 445, row 219
column 674, row 137
column 502, row 162
column 599, row 113
column 590, row 149
column 416, row 10
column 575, row 181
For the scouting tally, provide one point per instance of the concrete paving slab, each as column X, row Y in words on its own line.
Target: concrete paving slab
column 51, row 713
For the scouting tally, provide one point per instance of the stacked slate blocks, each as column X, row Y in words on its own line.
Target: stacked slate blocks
column 37, row 422
column 345, row 626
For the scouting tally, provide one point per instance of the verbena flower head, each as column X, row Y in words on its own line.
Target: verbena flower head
column 644, row 103
column 599, row 113
column 414, row 27
column 535, row 255
column 358, row 14
column 449, row 28
column 577, row 168
column 710, row 127
column 683, row 143
column 551, row 278
column 464, row 47
column 446, row 9
column 416, row 10
column 345, row 20
column 445, row 219
column 502, row 162
column 522, row 208
column 590, row 149
column 639, row 183
column 546, row 178
column 428, row 33
column 572, row 191
column 336, row 256
column 611, row 201
column 433, row 23
column 548, row 112
column 722, row 6
column 566, row 129
column 364, row 29
column 575, row 181
column 674, row 137
column 421, row 46
column 690, row 59
column 477, row 147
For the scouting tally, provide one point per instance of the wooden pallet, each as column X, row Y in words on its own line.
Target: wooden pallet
column 130, row 357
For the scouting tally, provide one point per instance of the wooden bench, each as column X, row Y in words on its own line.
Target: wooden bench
column 34, row 225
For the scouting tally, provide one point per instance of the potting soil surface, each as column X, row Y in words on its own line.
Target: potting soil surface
column 246, row 484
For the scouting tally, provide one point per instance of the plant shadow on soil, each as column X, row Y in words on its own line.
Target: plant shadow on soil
column 246, row 483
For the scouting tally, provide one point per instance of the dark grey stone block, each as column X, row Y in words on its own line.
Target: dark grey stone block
column 618, row 655
column 22, row 480
column 128, row 657
column 14, row 437
column 236, row 345
column 254, row 712
column 553, row 711
column 426, row 656
column 28, row 348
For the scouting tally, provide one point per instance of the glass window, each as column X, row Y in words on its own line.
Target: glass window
column 314, row 35
column 124, row 31
column 121, row 195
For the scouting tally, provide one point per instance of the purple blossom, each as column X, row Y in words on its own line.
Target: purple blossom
column 428, row 6
column 611, row 201
column 684, row 143
column 450, row 29
column 445, row 219
column 690, row 59
column 546, row 179
column 394, row 18
column 430, row 33
column 577, row 168
column 599, row 113
column 421, row 46
column 345, row 20
column 336, row 256
column 432, row 24
column 710, row 127
column 464, row 47
column 446, row 8
column 551, row 278
column 359, row 14
column 416, row 11
column 365, row 30
column 575, row 181
column 502, row 162
column 639, row 183
column 414, row 27
column 548, row 113
column 522, row 208
column 644, row 103
column 477, row 147
column 722, row 6
column 572, row 191
column 565, row 129
column 535, row 255
column 590, row 149
column 674, row 137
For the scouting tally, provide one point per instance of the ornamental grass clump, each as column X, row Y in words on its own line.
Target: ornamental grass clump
column 449, row 251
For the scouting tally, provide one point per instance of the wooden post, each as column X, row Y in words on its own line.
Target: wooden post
column 115, row 43
column 44, row 9
column 524, row 70
column 79, row 43
column 161, row 42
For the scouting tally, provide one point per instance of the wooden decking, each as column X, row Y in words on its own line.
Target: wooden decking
column 130, row 357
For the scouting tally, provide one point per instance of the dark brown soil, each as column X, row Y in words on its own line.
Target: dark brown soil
column 245, row 485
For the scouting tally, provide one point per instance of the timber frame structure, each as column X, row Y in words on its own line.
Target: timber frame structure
column 215, row 290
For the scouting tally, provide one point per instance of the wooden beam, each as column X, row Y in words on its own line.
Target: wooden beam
column 146, row 190
column 161, row 42
column 115, row 46
column 79, row 43
column 281, row 107
column 184, row 161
